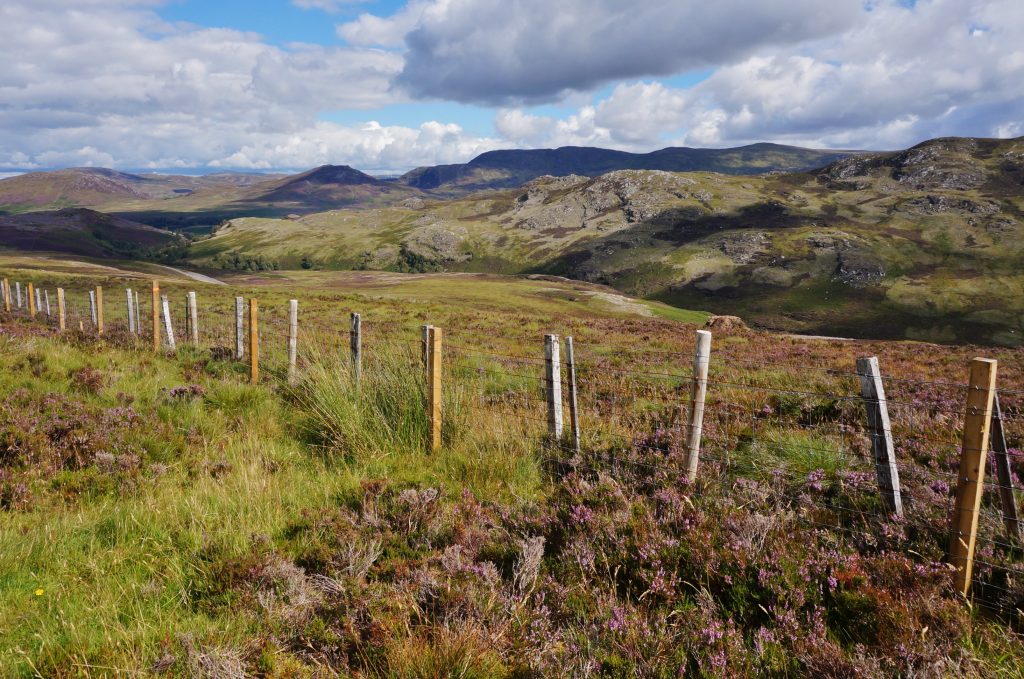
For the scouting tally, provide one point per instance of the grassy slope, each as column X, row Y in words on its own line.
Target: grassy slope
column 179, row 549
column 917, row 254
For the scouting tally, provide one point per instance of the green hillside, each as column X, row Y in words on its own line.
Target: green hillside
column 927, row 243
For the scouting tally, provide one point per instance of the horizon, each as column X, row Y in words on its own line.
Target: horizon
column 391, row 85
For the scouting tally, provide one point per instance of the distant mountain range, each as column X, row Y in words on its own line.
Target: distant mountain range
column 179, row 200
column 508, row 169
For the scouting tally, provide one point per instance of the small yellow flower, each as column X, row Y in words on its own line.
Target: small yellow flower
column 40, row 591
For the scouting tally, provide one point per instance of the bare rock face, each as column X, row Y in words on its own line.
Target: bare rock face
column 940, row 164
column 436, row 244
column 938, row 204
column 743, row 248
column 858, row 267
column 725, row 323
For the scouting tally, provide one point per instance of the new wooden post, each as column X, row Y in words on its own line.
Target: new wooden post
column 99, row 309
column 132, row 328
column 553, row 385
column 1002, row 462
column 31, row 301
column 193, row 318
column 698, row 392
column 7, row 295
column 434, row 385
column 61, row 310
column 239, row 328
column 971, row 475
column 574, row 417
column 156, row 316
column 168, row 327
column 356, row 347
column 254, row 342
column 872, row 390
column 293, row 338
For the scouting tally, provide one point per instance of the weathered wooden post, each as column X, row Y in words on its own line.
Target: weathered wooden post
column 425, row 341
column 355, row 341
column 1001, row 454
column 698, row 393
column 138, row 313
column 193, row 318
column 46, row 300
column 31, row 301
column 293, row 338
column 239, row 328
column 99, row 309
column 971, row 475
column 61, row 310
column 168, row 327
column 872, row 390
column 254, row 342
column 132, row 328
column 434, row 386
column 156, row 316
column 574, row 416
column 553, row 385
column 17, row 288
column 92, row 307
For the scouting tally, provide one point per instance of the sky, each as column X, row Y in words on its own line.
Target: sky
column 387, row 85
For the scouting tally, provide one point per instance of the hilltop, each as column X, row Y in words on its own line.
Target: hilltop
column 925, row 243
column 512, row 168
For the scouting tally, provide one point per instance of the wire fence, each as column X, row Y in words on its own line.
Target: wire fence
column 789, row 427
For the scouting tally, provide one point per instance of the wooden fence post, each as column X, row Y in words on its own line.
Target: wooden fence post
column 7, row 295
column 293, row 338
column 553, row 385
column 46, row 299
column 61, row 310
column 434, row 386
column 156, row 316
column 356, row 347
column 239, row 328
column 254, row 342
column 1002, row 463
column 193, row 318
column 138, row 313
column 168, row 327
column 132, row 328
column 872, row 390
column 574, row 417
column 698, row 393
column 425, row 340
column 92, row 307
column 971, row 475
column 17, row 288
column 31, row 301
column 99, row 309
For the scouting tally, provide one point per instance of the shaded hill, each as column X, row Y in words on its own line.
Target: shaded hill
column 926, row 243
column 82, row 231
column 327, row 185
column 510, row 168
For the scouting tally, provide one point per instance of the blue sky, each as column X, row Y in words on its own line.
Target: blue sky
column 388, row 85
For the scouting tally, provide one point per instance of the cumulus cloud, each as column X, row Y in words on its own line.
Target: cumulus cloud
column 495, row 52
column 106, row 82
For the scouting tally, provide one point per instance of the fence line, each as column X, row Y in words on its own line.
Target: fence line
column 721, row 419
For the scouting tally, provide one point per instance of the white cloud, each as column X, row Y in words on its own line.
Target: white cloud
column 493, row 51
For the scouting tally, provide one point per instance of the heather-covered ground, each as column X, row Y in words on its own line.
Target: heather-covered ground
column 160, row 516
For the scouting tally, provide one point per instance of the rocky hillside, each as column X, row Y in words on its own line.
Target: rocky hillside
column 512, row 168
column 925, row 243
